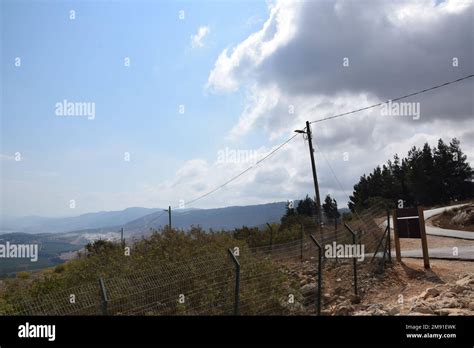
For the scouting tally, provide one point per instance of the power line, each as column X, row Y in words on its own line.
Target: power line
column 337, row 180
column 320, row 120
column 396, row 99
column 243, row 172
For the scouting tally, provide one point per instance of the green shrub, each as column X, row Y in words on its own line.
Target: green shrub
column 23, row 275
column 150, row 280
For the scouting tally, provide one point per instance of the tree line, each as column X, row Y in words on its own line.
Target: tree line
column 426, row 176
column 307, row 208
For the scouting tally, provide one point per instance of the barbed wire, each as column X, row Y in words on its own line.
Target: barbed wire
column 268, row 274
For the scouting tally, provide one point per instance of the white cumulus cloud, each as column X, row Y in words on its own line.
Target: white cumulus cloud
column 197, row 40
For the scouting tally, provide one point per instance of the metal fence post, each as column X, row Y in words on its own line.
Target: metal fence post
column 237, row 282
column 103, row 296
column 354, row 241
column 302, row 240
column 388, row 237
column 378, row 246
column 271, row 237
column 320, row 278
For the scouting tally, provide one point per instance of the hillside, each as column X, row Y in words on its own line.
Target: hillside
column 140, row 220
column 226, row 218
column 50, row 248
column 35, row 224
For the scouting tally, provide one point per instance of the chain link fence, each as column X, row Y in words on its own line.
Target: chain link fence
column 300, row 277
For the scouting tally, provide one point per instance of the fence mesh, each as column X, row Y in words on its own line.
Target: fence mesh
column 276, row 279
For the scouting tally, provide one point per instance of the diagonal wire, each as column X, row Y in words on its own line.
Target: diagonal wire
column 395, row 99
column 243, row 172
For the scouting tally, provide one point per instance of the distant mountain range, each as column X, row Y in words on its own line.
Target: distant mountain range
column 37, row 224
column 219, row 218
column 136, row 220
column 139, row 220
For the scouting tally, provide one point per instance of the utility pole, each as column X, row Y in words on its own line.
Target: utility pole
column 315, row 176
column 169, row 216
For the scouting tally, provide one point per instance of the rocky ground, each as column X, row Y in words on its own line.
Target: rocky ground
column 399, row 289
column 456, row 298
column 457, row 219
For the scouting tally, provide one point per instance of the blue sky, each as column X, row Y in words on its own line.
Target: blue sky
column 253, row 61
column 136, row 107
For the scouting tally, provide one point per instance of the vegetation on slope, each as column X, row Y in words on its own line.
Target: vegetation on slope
column 153, row 275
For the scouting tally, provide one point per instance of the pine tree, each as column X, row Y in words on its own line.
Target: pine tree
column 443, row 165
column 460, row 179
column 425, row 177
column 330, row 208
column 306, row 207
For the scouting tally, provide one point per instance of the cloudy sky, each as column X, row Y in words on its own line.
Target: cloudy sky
column 179, row 88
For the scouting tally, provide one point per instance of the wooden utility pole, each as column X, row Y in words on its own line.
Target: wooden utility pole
column 424, row 241
column 396, row 237
column 169, row 216
column 315, row 176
